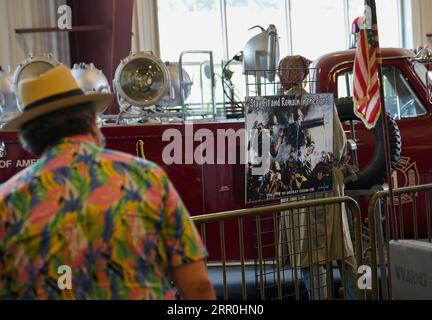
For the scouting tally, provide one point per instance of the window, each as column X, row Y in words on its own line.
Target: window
column 189, row 25
column 305, row 27
column 389, row 20
column 316, row 27
column 244, row 14
column 400, row 99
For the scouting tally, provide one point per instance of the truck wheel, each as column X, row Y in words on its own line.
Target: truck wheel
column 375, row 171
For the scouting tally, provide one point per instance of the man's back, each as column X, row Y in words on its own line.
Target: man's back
column 115, row 220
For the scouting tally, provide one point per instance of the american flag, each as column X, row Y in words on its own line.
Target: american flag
column 367, row 104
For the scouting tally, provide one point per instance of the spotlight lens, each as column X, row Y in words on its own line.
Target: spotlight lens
column 34, row 69
column 142, row 80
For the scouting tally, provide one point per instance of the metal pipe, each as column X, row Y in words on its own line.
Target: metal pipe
column 346, row 22
column 428, row 218
column 294, row 254
column 260, row 257
column 401, row 217
column 204, row 238
column 224, row 25
column 344, row 274
column 357, row 220
column 380, row 244
column 386, row 241
column 258, row 211
column 276, row 245
column 311, row 262
column 242, row 258
column 329, row 266
column 223, row 256
column 415, row 216
column 288, row 26
column 385, row 128
column 318, row 249
column 373, row 248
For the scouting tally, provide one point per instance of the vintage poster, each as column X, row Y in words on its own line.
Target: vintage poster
column 289, row 147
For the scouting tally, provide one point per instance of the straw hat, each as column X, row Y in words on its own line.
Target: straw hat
column 52, row 91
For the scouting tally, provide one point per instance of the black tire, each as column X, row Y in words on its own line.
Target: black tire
column 374, row 173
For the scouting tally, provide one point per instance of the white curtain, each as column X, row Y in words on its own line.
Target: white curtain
column 145, row 34
column 18, row 14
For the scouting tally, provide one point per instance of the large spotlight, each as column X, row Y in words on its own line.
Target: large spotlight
column 8, row 103
column 141, row 80
column 32, row 67
column 177, row 87
column 90, row 78
column 261, row 53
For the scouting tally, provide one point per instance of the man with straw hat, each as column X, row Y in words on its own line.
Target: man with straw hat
column 114, row 221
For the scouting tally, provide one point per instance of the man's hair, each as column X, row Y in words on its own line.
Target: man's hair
column 47, row 130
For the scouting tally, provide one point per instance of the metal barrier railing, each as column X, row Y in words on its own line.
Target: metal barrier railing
column 414, row 223
column 265, row 258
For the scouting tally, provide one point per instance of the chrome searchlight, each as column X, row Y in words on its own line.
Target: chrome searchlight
column 32, row 67
column 178, row 88
column 8, row 102
column 261, row 53
column 90, row 78
column 141, row 80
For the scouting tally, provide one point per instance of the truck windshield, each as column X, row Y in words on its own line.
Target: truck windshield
column 400, row 99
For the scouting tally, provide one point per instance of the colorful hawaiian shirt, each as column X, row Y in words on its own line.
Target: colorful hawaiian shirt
column 115, row 220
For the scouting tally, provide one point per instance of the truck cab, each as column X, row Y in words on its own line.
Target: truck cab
column 406, row 101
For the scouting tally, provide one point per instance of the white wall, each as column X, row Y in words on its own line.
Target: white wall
column 15, row 14
column 421, row 20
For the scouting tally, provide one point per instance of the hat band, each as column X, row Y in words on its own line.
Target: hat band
column 67, row 94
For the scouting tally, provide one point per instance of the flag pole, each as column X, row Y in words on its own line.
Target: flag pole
column 393, row 217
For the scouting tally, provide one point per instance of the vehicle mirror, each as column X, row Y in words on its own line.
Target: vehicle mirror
column 424, row 56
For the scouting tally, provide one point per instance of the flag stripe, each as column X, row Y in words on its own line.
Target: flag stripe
column 367, row 104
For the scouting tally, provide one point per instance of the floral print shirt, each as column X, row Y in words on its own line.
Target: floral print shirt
column 114, row 219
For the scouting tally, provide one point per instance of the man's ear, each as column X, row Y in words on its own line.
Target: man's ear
column 94, row 124
column 94, row 128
